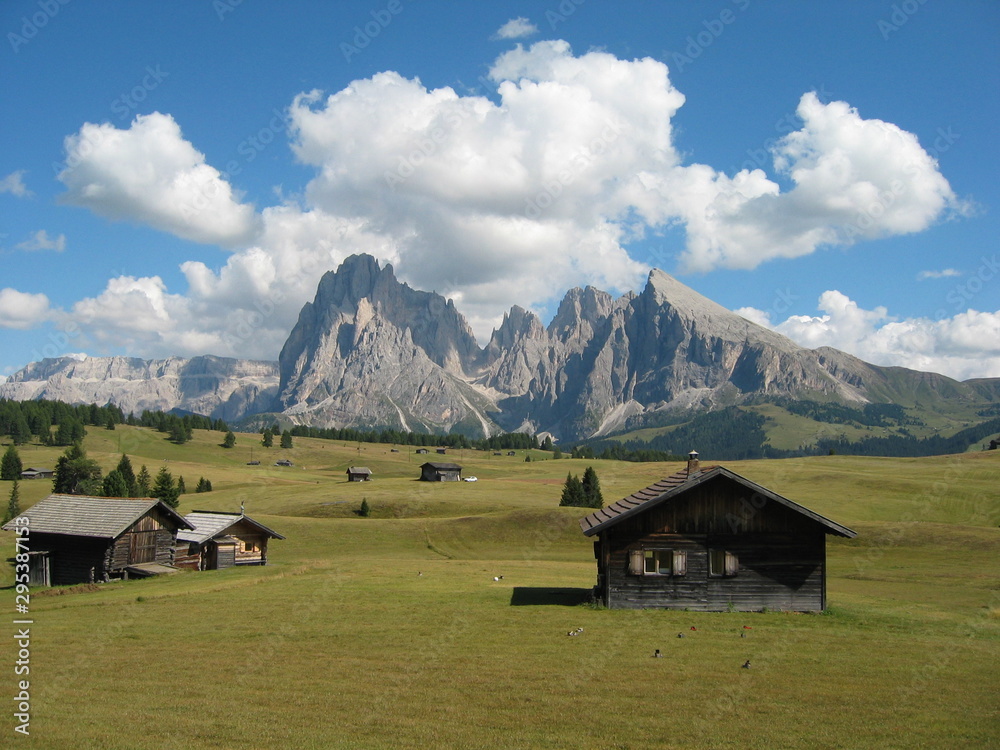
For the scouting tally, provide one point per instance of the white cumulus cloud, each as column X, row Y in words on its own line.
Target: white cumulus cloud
column 516, row 28
column 21, row 310
column 965, row 345
column 489, row 202
column 149, row 173
column 14, row 184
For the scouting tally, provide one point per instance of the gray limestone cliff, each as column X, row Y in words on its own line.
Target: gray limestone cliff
column 219, row 387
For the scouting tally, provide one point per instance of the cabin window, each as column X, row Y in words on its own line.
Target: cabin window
column 658, row 562
column 722, row 563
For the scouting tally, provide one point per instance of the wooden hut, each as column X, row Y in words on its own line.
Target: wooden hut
column 33, row 472
column 221, row 540
column 80, row 539
column 440, row 472
column 359, row 474
column 710, row 540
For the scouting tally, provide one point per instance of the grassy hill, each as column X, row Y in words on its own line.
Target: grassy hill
column 390, row 631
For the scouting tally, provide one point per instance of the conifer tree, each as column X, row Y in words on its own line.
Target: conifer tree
column 164, row 488
column 114, row 484
column 143, row 482
column 14, row 504
column 592, row 489
column 125, row 469
column 229, row 441
column 286, row 439
column 10, row 465
column 572, row 494
column 267, row 440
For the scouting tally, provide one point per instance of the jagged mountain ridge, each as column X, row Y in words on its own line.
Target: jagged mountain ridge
column 371, row 352
column 219, row 387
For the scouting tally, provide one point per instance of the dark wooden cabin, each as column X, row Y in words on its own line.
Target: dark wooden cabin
column 33, row 472
column 359, row 474
column 81, row 539
column 710, row 540
column 433, row 471
column 222, row 540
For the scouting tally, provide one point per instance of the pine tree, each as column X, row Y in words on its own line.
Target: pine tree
column 267, row 440
column 164, row 488
column 20, row 432
column 366, row 509
column 114, row 484
column 143, row 482
column 572, row 493
column 181, row 488
column 125, row 469
column 203, row 485
column 592, row 489
column 229, row 441
column 10, row 465
column 178, row 432
column 286, row 439
column 14, row 504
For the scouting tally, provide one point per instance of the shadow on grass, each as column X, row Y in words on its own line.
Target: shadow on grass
column 538, row 595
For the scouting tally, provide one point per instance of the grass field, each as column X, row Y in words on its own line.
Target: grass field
column 390, row 632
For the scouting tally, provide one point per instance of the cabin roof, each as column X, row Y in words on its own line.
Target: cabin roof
column 358, row 470
column 442, row 466
column 84, row 515
column 206, row 524
column 681, row 482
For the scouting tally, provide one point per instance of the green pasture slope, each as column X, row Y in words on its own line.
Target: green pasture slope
column 390, row 631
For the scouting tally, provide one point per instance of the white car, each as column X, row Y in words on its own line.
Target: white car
column 471, row 479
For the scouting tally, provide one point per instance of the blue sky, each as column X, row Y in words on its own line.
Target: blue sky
column 177, row 177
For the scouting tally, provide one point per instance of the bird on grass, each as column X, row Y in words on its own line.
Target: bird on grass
column 746, row 664
column 657, row 654
column 680, row 635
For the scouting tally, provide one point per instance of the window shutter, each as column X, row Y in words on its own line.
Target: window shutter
column 680, row 562
column 636, row 560
column 732, row 564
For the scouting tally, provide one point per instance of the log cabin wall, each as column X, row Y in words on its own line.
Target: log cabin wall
column 72, row 559
column 187, row 555
column 149, row 539
column 779, row 554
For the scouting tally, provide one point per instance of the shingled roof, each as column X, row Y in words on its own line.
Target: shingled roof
column 679, row 483
column 206, row 524
column 85, row 515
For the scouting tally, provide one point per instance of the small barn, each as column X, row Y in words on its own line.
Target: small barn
column 422, row 451
column 81, row 539
column 710, row 540
column 222, row 540
column 359, row 474
column 33, row 472
column 440, row 472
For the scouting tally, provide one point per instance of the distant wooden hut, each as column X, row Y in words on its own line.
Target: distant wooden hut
column 710, row 540
column 33, row 472
column 422, row 451
column 80, row 539
column 442, row 451
column 359, row 474
column 440, row 472
column 221, row 540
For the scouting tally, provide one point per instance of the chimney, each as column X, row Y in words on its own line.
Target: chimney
column 693, row 464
